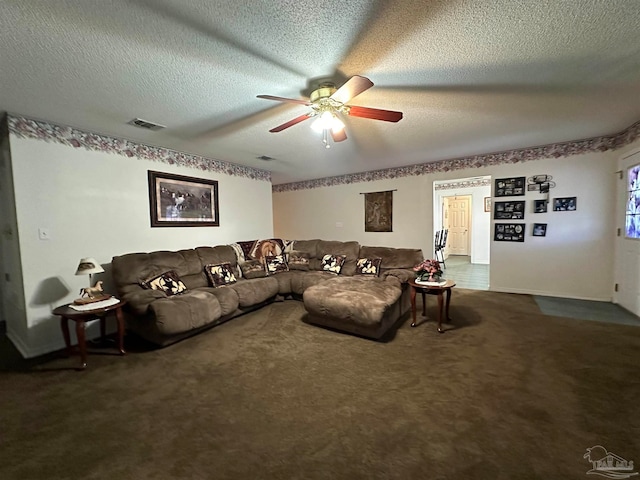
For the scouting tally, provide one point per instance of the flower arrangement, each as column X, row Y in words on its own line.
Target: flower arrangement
column 428, row 269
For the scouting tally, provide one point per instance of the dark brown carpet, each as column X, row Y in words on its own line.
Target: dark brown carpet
column 505, row 393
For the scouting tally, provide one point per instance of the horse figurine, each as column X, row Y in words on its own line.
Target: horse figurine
column 92, row 292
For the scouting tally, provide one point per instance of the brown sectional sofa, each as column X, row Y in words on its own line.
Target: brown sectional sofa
column 360, row 304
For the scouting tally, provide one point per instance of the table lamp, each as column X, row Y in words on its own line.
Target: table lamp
column 89, row 266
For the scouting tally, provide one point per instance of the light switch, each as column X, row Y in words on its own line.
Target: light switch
column 339, row 225
column 44, row 233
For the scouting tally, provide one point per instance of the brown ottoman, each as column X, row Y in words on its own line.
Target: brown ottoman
column 366, row 306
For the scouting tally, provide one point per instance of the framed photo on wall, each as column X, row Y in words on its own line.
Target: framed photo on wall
column 510, row 187
column 539, row 206
column 539, row 229
column 179, row 201
column 564, row 204
column 509, row 232
column 509, row 210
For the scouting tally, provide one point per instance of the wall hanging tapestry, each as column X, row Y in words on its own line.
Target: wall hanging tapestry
column 378, row 209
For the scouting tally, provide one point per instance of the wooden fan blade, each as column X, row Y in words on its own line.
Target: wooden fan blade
column 354, row 86
column 375, row 113
column 339, row 136
column 290, row 123
column 283, row 99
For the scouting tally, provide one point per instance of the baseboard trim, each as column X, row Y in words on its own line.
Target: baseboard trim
column 549, row 294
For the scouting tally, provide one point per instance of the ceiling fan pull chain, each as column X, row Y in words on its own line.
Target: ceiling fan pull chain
column 325, row 138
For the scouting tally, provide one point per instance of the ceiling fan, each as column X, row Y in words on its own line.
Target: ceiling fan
column 328, row 103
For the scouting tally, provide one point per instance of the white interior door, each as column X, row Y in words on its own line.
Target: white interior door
column 457, row 221
column 627, row 250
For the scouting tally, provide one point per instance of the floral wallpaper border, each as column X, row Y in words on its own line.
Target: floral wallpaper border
column 481, row 182
column 40, row 130
column 556, row 150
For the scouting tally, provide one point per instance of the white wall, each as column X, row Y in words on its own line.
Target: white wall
column 574, row 260
column 96, row 204
column 319, row 212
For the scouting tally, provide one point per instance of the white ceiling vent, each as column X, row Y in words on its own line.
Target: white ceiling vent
column 138, row 122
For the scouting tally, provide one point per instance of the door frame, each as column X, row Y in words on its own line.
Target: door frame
column 479, row 188
column 621, row 242
column 469, row 220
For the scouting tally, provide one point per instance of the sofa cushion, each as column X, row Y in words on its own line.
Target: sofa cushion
column 167, row 282
column 368, row 266
column 181, row 313
column 275, row 264
column 300, row 281
column 220, row 275
column 255, row 291
column 227, row 298
column 298, row 260
column 252, row 269
column 393, row 257
column 332, row 263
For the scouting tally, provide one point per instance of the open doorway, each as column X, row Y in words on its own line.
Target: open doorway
column 460, row 207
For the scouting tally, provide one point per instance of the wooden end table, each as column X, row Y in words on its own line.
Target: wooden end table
column 438, row 290
column 67, row 313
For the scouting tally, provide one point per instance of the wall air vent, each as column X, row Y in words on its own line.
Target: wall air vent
column 138, row 122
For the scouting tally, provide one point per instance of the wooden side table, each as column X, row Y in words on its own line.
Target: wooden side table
column 438, row 290
column 67, row 313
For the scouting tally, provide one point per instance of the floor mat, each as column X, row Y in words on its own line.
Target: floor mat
column 586, row 310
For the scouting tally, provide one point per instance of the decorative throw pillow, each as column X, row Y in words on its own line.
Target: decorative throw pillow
column 332, row 263
column 368, row 266
column 275, row 264
column 298, row 260
column 252, row 269
column 168, row 282
column 220, row 274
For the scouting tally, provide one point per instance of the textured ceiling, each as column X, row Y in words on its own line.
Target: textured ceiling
column 471, row 77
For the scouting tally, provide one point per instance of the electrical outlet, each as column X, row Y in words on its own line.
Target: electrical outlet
column 44, row 233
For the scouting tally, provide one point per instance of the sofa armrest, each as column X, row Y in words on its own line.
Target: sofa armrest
column 140, row 300
column 402, row 274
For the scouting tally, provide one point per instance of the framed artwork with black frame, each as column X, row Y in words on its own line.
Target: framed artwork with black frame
column 509, row 232
column 180, row 201
column 540, row 206
column 508, row 210
column 510, row 187
column 564, row 204
column 539, row 229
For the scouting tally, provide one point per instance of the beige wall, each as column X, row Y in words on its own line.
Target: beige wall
column 96, row 204
column 574, row 260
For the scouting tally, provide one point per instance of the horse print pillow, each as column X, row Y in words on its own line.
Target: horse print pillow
column 220, row 274
column 168, row 282
column 332, row 263
column 368, row 266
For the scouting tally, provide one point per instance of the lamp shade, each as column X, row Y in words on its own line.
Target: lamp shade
column 88, row 266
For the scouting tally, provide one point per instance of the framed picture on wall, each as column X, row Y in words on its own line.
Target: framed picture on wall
column 510, row 187
column 509, row 232
column 179, row 201
column 509, row 210
column 564, row 204
column 539, row 229
column 539, row 206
